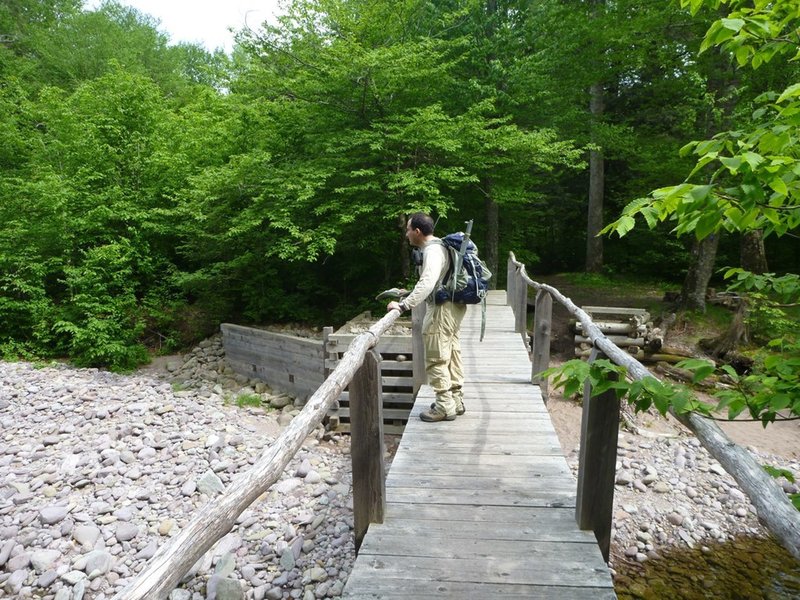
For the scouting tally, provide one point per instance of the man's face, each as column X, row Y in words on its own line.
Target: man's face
column 413, row 235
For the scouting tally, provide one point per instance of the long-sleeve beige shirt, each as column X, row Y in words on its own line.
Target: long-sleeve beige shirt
column 434, row 268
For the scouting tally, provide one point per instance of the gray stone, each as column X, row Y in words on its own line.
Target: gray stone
column 210, row 484
column 19, row 562
column 222, row 588
column 15, row 582
column 42, row 560
column 5, row 551
column 47, row 578
column 86, row 535
column 51, row 515
column 98, row 562
column 126, row 532
column 148, row 551
column 73, row 577
column 287, row 559
column 226, row 565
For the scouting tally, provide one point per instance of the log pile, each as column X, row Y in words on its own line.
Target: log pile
column 631, row 329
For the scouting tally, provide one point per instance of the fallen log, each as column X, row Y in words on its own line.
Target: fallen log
column 619, row 340
column 772, row 505
column 611, row 328
column 165, row 570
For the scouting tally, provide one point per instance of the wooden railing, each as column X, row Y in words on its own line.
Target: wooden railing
column 600, row 426
column 360, row 369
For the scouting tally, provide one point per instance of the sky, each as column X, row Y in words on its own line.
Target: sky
column 203, row 21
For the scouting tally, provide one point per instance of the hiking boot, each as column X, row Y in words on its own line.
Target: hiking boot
column 460, row 410
column 434, row 416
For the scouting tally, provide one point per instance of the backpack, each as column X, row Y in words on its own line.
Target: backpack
column 470, row 283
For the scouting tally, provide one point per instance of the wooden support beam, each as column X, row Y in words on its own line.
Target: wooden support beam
column 511, row 282
column 521, row 307
column 366, row 446
column 542, row 324
column 418, row 346
column 597, row 462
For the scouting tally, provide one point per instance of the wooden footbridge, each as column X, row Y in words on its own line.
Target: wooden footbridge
column 483, row 506
column 480, row 507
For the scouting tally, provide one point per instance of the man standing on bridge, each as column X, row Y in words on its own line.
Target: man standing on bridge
column 441, row 325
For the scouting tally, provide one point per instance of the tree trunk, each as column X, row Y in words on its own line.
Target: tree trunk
column 704, row 254
column 490, row 250
column 594, row 243
column 752, row 256
column 402, row 252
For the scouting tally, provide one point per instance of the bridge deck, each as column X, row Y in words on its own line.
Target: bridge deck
column 482, row 507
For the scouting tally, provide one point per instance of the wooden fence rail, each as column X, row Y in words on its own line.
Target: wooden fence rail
column 165, row 570
column 772, row 505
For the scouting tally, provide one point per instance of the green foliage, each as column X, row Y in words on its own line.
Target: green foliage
column 101, row 324
column 243, row 400
column 603, row 375
column 751, row 176
column 777, row 473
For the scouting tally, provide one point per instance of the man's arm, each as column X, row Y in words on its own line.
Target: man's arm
column 434, row 261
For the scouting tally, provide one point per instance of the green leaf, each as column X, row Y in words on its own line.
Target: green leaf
column 779, row 186
column 791, row 92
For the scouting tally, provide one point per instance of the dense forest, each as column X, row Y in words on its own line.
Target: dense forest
column 150, row 190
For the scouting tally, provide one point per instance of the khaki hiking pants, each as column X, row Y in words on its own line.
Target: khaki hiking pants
column 443, row 365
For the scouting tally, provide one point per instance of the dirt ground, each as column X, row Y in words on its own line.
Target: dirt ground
column 780, row 438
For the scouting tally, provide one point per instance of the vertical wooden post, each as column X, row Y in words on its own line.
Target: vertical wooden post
column 511, row 276
column 366, row 446
column 329, row 361
column 542, row 323
column 597, row 462
column 521, row 306
column 417, row 347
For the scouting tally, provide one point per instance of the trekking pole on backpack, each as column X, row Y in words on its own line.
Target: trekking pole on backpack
column 461, row 252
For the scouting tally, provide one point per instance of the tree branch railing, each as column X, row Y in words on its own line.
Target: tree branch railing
column 359, row 368
column 598, row 447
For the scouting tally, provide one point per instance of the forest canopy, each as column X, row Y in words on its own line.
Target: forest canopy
column 150, row 190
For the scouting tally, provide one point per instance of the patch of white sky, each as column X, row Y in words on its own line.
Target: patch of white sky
column 204, row 22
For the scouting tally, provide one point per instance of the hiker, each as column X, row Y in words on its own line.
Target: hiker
column 441, row 325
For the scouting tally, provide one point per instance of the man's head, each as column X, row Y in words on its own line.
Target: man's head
column 418, row 228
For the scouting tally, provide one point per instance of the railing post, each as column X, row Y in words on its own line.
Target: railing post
column 417, row 347
column 542, row 324
column 597, row 462
column 521, row 305
column 366, row 446
column 511, row 276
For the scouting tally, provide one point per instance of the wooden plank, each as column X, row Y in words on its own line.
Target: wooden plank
column 412, row 588
column 277, row 376
column 471, row 481
column 597, row 461
column 482, row 543
column 366, row 448
column 395, row 381
column 613, row 310
column 559, row 497
column 539, row 569
column 483, row 466
column 388, row 413
column 266, row 355
column 386, row 345
column 388, row 398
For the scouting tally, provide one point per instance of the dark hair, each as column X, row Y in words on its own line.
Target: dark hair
column 422, row 222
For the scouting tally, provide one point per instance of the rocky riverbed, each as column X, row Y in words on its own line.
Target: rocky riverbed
column 97, row 471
